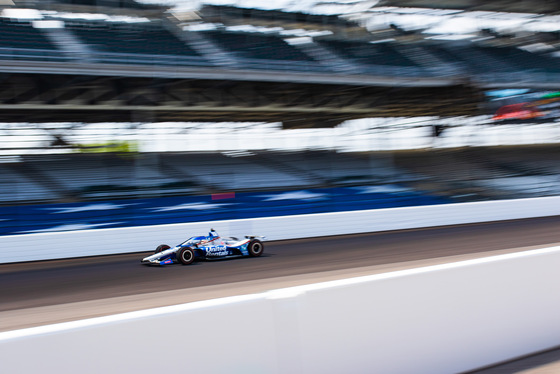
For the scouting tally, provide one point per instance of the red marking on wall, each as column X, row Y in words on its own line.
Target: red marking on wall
column 220, row 196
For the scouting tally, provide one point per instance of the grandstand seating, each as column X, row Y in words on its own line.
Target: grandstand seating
column 525, row 60
column 477, row 60
column 98, row 175
column 180, row 187
column 368, row 53
column 485, row 59
column 218, row 172
column 524, row 186
column 335, row 169
column 262, row 51
column 121, row 38
column 445, row 172
column 257, row 46
column 485, row 173
column 15, row 187
column 136, row 44
column 538, row 160
column 374, row 58
column 19, row 34
column 21, row 41
column 152, row 43
column 86, row 176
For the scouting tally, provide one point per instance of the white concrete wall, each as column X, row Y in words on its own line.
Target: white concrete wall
column 18, row 248
column 440, row 319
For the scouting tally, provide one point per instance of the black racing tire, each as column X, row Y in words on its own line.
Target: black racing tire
column 255, row 248
column 185, row 255
column 161, row 248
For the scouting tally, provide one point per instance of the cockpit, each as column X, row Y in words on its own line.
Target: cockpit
column 194, row 240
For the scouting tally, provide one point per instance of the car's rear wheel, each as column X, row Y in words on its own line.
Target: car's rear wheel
column 162, row 247
column 185, row 256
column 255, row 248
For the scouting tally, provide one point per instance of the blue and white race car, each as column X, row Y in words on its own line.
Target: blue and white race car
column 209, row 247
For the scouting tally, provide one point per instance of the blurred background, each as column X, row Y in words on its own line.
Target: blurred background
column 126, row 113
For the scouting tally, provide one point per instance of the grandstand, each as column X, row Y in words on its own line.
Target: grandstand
column 71, row 63
column 468, row 174
column 136, row 42
column 22, row 35
column 221, row 62
column 58, row 192
column 123, row 39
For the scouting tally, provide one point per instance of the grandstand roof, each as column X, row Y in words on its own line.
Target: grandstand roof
column 167, row 71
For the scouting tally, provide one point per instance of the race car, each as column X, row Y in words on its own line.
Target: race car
column 211, row 247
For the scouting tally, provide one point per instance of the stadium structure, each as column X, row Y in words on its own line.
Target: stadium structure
column 162, row 65
column 67, row 64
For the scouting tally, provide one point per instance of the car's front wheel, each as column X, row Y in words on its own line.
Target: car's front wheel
column 162, row 247
column 255, row 248
column 185, row 256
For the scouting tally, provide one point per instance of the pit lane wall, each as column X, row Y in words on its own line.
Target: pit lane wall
column 440, row 319
column 45, row 246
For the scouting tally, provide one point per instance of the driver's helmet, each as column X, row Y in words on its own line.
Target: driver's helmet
column 213, row 237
